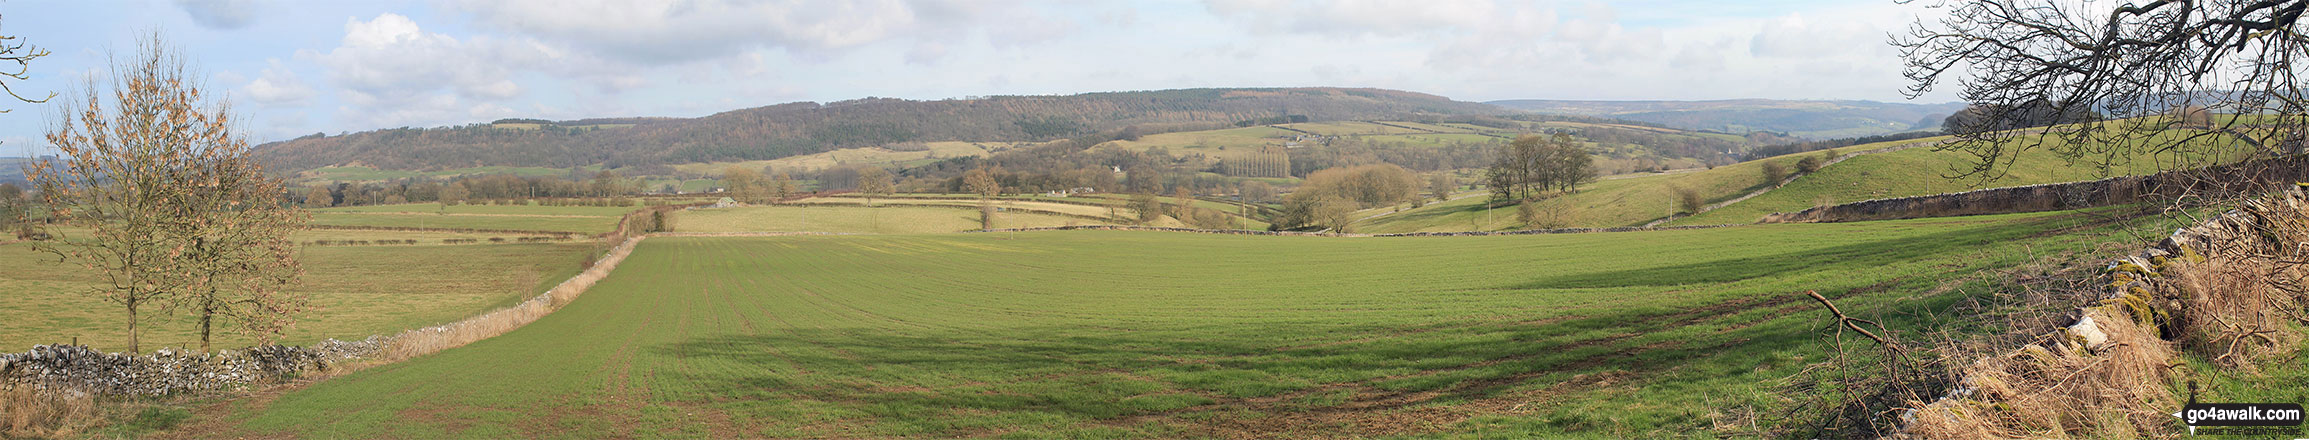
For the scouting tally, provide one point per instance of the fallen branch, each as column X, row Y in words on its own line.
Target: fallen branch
column 1853, row 323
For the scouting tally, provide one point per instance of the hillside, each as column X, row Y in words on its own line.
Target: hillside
column 1809, row 119
column 803, row 128
column 1625, row 200
column 1920, row 172
column 13, row 169
column 1075, row 335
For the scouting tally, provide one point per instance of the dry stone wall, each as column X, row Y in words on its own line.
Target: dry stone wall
column 2056, row 196
column 2133, row 316
column 166, row 372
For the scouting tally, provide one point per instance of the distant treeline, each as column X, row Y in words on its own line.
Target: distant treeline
column 606, row 188
column 1800, row 147
column 1079, row 163
column 807, row 127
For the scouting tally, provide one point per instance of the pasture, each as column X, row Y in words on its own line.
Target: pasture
column 571, row 219
column 1923, row 171
column 871, row 156
column 358, row 290
column 584, row 225
column 967, row 202
column 857, row 219
column 1139, row 334
column 481, row 209
column 1622, row 200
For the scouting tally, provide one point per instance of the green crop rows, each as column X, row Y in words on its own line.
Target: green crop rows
column 1144, row 334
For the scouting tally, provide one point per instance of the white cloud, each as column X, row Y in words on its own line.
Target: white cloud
column 390, row 54
column 663, row 32
column 659, row 33
column 415, row 110
column 221, row 14
column 277, row 86
column 389, row 65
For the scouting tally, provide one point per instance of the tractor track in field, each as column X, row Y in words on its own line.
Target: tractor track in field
column 1372, row 409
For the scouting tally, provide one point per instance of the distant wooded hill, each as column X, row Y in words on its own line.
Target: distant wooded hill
column 12, row 170
column 1809, row 119
column 807, row 127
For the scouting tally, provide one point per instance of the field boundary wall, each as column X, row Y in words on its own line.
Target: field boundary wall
column 2059, row 196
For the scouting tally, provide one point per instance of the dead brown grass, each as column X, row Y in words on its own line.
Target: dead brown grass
column 2061, row 388
column 26, row 412
column 2228, row 289
column 2233, row 312
column 420, row 342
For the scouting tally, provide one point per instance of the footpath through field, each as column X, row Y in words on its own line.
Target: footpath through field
column 1149, row 334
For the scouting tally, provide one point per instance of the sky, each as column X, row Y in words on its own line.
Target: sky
column 297, row 67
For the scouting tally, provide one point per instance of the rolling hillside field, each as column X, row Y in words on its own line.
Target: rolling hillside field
column 564, row 219
column 804, row 128
column 1919, row 172
column 1624, row 200
column 1092, row 334
column 1637, row 199
column 873, row 156
column 358, row 290
column 1811, row 119
column 858, row 219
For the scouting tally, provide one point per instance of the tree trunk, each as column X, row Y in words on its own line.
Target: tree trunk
column 207, row 315
column 132, row 342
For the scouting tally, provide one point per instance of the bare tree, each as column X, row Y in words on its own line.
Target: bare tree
column 874, row 181
column 743, row 184
column 14, row 50
column 1533, row 164
column 982, row 183
column 452, row 193
column 1257, row 192
column 1441, row 185
column 781, row 185
column 2128, row 65
column 177, row 213
column 235, row 228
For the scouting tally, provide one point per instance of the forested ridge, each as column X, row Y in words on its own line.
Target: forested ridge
column 807, row 127
column 1807, row 119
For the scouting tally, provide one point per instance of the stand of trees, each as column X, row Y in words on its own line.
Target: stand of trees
column 1535, row 164
column 461, row 189
column 1329, row 197
column 177, row 213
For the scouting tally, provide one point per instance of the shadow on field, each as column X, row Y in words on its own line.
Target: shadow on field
column 962, row 384
column 1853, row 257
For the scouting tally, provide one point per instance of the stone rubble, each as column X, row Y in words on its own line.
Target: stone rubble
column 166, row 372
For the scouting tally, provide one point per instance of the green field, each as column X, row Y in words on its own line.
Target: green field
column 858, row 220
column 360, row 291
column 873, row 156
column 958, row 201
column 1071, row 204
column 1917, row 172
column 1140, row 334
column 583, row 225
column 1624, row 200
column 1231, row 142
